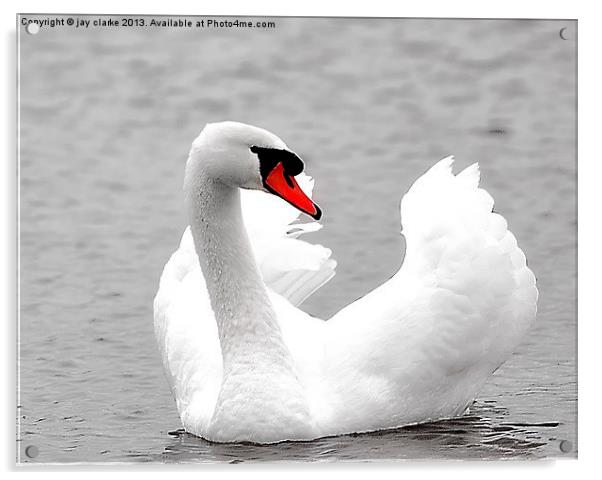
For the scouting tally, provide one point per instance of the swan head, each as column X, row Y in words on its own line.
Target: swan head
column 245, row 156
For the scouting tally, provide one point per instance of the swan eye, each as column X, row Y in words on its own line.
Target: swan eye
column 270, row 157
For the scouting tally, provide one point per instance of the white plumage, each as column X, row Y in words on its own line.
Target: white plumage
column 417, row 348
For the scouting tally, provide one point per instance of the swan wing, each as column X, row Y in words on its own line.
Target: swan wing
column 187, row 337
column 290, row 267
column 460, row 303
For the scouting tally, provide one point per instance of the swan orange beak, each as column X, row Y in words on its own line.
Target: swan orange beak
column 286, row 187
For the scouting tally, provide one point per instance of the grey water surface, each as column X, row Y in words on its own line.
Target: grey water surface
column 107, row 116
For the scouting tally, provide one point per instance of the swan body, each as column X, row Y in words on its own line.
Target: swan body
column 244, row 363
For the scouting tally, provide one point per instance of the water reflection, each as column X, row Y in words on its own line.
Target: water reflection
column 480, row 434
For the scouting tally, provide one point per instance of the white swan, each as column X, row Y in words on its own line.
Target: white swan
column 244, row 364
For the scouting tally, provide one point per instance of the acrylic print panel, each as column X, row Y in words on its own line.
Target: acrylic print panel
column 109, row 107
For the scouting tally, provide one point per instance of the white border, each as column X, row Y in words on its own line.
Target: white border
column 374, row 8
column 590, row 241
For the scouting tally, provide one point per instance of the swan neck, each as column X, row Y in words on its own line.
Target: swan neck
column 259, row 379
column 246, row 321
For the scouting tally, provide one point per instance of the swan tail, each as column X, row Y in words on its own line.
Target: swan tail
column 451, row 229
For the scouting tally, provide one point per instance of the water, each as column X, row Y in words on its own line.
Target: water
column 107, row 117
